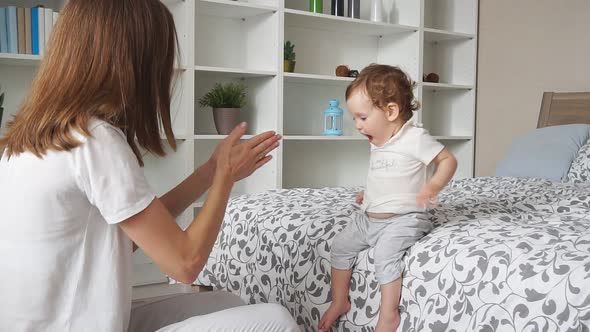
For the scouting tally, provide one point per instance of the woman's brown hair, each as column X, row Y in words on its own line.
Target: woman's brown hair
column 109, row 59
column 387, row 84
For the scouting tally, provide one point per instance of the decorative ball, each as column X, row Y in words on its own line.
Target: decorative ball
column 432, row 77
column 342, row 71
column 353, row 73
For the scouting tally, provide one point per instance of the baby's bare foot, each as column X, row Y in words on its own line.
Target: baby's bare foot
column 334, row 311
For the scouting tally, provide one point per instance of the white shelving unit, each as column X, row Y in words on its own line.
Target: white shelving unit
column 224, row 40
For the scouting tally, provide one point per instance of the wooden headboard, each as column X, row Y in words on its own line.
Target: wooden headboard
column 559, row 108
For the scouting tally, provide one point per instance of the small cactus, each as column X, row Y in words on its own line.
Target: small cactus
column 289, row 53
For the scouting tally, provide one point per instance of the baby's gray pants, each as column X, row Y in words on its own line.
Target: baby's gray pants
column 390, row 238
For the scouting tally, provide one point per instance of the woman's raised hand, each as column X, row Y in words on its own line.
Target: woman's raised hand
column 243, row 159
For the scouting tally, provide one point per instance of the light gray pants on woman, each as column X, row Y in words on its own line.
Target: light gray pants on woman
column 210, row 311
column 390, row 238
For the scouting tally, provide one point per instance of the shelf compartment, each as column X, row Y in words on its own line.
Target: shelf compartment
column 451, row 15
column 344, row 25
column 303, row 109
column 449, row 113
column 16, row 83
column 325, row 164
column 245, row 38
column 397, row 13
column 453, row 60
column 325, row 50
column 260, row 111
column 232, row 9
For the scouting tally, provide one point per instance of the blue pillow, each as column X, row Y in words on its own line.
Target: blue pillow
column 545, row 153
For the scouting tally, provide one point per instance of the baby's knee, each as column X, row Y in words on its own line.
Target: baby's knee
column 340, row 255
column 388, row 267
column 338, row 245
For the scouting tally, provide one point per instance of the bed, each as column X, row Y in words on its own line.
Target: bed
column 506, row 254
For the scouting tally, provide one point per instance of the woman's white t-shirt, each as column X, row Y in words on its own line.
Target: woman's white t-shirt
column 65, row 265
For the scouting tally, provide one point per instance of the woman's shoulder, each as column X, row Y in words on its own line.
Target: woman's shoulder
column 103, row 138
column 101, row 127
column 102, row 135
column 100, row 131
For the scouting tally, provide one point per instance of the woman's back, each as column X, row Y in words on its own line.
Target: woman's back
column 59, row 254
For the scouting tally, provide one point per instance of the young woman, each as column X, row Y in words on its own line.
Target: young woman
column 73, row 196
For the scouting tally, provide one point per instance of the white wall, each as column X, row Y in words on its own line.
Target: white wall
column 525, row 47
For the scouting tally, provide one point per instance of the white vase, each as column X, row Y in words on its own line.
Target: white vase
column 390, row 11
column 377, row 11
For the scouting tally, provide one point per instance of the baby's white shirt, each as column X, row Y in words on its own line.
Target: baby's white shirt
column 398, row 170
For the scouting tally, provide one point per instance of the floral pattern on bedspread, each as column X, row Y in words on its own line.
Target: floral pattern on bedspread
column 506, row 254
column 579, row 171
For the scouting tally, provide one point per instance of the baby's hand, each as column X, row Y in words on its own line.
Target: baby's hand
column 427, row 197
column 359, row 197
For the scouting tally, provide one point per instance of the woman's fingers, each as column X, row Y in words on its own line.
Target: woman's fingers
column 236, row 134
column 256, row 140
column 261, row 162
column 268, row 150
column 266, row 146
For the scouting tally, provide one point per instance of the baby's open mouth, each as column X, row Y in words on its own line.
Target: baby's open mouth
column 369, row 137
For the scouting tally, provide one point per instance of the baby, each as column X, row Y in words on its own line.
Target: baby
column 407, row 170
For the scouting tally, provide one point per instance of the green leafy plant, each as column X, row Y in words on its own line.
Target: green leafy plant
column 230, row 95
column 289, row 53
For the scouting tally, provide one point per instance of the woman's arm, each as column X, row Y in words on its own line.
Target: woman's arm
column 182, row 254
column 188, row 191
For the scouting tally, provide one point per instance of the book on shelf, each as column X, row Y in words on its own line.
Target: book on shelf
column 8, row 37
column 21, row 30
column 11, row 31
column 3, row 32
column 48, row 23
column 35, row 30
column 26, row 30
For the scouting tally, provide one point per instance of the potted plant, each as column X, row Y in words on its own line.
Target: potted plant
column 226, row 100
column 289, row 57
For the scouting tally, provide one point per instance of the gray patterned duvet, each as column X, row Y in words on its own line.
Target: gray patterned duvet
column 505, row 255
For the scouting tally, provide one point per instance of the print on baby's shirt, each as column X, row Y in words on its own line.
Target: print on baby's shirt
column 382, row 164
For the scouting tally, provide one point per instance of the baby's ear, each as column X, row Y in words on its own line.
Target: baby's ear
column 392, row 112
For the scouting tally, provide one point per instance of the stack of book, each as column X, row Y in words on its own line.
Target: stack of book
column 25, row 30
